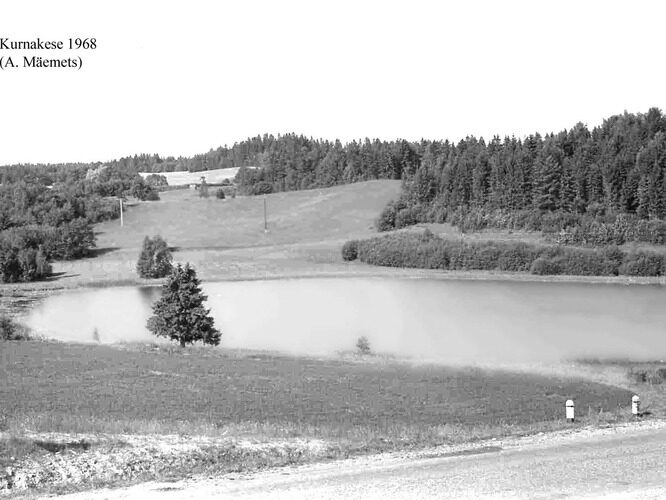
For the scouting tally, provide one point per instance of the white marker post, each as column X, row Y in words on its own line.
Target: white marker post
column 570, row 410
column 635, row 406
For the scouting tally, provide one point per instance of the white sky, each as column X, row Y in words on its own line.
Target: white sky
column 179, row 78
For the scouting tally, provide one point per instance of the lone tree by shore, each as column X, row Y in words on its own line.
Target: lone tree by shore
column 179, row 314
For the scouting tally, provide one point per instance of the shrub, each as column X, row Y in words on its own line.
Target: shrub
column 405, row 217
column 179, row 313
column 647, row 375
column 142, row 190
column 432, row 252
column 219, row 194
column 350, row 250
column 386, row 219
column 154, row 259
column 262, row 187
column 7, row 328
column 545, row 266
column 644, row 263
column 10, row 330
column 637, row 375
column 363, row 346
column 157, row 181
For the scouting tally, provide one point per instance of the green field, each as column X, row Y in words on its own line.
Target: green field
column 354, row 407
column 225, row 239
column 71, row 387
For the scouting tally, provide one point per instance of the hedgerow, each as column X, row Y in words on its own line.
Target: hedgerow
column 431, row 252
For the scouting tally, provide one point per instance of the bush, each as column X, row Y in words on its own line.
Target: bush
column 10, row 330
column 405, row 217
column 157, row 181
column 644, row 263
column 219, row 194
column 545, row 266
column 432, row 252
column 155, row 258
column 142, row 190
column 7, row 328
column 179, row 313
column 350, row 250
column 646, row 375
column 262, row 187
column 363, row 346
column 386, row 220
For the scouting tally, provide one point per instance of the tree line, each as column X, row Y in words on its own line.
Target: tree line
column 616, row 168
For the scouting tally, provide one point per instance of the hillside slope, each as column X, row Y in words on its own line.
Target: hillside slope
column 225, row 239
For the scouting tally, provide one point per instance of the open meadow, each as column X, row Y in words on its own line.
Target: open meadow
column 207, row 410
column 225, row 239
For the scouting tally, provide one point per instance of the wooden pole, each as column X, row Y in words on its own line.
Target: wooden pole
column 121, row 211
column 265, row 217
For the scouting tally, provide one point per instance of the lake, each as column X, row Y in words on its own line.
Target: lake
column 446, row 320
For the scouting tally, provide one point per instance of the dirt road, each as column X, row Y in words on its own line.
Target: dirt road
column 628, row 462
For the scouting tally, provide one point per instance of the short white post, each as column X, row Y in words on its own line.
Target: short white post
column 635, row 406
column 570, row 410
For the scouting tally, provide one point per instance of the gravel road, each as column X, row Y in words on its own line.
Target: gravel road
column 628, row 462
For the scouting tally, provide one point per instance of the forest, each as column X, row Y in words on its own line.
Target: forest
column 47, row 213
column 580, row 187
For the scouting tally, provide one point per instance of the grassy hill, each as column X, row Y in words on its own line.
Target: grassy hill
column 225, row 239
column 188, row 221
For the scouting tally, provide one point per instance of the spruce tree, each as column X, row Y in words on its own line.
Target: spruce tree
column 179, row 314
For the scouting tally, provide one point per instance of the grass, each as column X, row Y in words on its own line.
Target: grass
column 57, row 387
column 225, row 239
column 189, row 222
column 68, row 400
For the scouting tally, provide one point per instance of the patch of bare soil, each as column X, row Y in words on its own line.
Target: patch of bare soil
column 74, row 462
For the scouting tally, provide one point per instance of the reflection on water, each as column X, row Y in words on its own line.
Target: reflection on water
column 447, row 320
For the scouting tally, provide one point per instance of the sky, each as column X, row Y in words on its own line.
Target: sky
column 180, row 78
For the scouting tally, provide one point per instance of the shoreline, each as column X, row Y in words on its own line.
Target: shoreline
column 353, row 271
column 16, row 298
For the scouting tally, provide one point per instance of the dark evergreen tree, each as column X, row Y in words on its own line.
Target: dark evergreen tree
column 179, row 314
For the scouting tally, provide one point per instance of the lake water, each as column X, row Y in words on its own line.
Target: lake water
column 432, row 319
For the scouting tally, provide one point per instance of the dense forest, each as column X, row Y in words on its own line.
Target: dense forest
column 584, row 187
column 573, row 179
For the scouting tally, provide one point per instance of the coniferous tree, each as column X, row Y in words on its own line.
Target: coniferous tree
column 179, row 314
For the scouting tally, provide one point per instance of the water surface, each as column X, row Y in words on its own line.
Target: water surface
column 433, row 319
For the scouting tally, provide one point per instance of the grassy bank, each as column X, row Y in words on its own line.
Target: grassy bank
column 225, row 398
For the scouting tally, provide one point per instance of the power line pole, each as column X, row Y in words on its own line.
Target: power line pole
column 265, row 217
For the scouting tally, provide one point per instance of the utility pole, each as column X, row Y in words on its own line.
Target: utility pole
column 265, row 217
